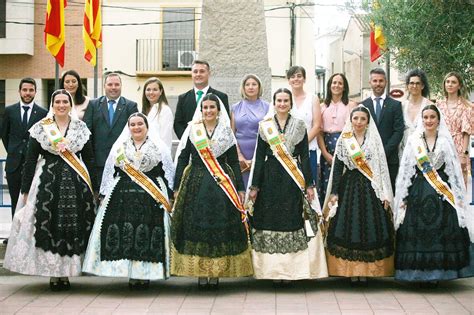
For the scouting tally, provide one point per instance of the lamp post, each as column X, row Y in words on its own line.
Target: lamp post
column 361, row 60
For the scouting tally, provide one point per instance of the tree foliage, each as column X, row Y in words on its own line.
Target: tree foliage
column 436, row 36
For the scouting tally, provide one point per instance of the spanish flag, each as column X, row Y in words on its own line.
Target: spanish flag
column 54, row 30
column 92, row 30
column 377, row 40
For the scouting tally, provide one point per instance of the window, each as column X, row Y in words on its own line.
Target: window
column 178, row 38
column 3, row 18
column 2, row 98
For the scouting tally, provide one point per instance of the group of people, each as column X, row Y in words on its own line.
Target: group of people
column 97, row 191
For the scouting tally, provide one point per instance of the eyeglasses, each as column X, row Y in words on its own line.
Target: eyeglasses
column 414, row 83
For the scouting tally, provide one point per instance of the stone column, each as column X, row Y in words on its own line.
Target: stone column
column 233, row 40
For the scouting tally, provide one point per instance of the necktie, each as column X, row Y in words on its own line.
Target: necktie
column 111, row 111
column 199, row 93
column 24, row 121
column 378, row 108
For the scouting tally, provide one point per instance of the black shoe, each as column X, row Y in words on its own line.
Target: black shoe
column 5, row 241
column 202, row 283
column 55, row 285
column 213, row 283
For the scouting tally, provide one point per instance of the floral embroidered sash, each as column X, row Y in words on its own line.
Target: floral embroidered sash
column 202, row 145
column 357, row 155
column 60, row 145
column 141, row 179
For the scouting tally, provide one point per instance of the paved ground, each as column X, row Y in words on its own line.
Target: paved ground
column 93, row 295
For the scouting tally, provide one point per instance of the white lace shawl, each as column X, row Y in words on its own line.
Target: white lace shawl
column 445, row 153
column 294, row 134
column 375, row 157
column 223, row 137
column 410, row 126
column 77, row 136
column 153, row 151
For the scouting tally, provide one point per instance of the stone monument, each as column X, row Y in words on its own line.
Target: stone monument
column 233, row 40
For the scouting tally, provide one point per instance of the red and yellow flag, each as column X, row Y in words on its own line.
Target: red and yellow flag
column 54, row 29
column 377, row 40
column 92, row 30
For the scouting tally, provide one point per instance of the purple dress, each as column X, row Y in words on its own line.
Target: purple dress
column 247, row 115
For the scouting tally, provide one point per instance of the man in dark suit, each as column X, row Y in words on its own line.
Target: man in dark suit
column 388, row 117
column 17, row 120
column 106, row 117
column 187, row 102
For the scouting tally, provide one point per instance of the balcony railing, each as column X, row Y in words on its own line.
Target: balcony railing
column 157, row 55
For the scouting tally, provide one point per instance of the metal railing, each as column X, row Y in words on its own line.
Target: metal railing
column 156, row 55
column 2, row 185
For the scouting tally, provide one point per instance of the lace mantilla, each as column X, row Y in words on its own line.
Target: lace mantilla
column 221, row 141
column 295, row 132
column 77, row 136
column 146, row 158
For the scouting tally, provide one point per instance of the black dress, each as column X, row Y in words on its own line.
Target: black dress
column 208, row 236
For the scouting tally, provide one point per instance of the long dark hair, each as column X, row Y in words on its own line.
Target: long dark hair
column 146, row 106
column 345, row 91
column 79, row 97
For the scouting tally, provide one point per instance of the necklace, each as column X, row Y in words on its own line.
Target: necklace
column 282, row 130
column 138, row 154
column 211, row 131
column 426, row 143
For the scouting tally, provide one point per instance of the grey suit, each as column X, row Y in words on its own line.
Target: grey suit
column 103, row 134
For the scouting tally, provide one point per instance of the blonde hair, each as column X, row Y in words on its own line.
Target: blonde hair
column 245, row 79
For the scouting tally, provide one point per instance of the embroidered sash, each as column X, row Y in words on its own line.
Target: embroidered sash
column 281, row 153
column 429, row 172
column 202, row 145
column 141, row 179
column 356, row 154
column 59, row 144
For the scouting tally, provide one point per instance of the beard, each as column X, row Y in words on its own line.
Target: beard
column 27, row 100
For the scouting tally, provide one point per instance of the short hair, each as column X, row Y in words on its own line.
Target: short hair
column 112, row 74
column 211, row 97
column 432, row 107
column 201, row 62
column 363, row 109
column 137, row 114
column 377, row 71
column 146, row 106
column 79, row 97
column 283, row 90
column 422, row 75
column 345, row 91
column 295, row 69
column 458, row 76
column 27, row 80
column 62, row 92
column 245, row 79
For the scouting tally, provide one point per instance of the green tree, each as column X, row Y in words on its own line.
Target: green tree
column 436, row 36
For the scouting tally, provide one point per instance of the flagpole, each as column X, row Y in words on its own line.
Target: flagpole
column 56, row 76
column 96, row 85
column 387, row 69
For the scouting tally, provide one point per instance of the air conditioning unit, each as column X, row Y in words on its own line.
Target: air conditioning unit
column 186, row 58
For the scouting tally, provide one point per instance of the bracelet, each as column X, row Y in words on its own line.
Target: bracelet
column 255, row 188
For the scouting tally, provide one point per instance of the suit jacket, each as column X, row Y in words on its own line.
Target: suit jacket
column 187, row 106
column 103, row 136
column 390, row 126
column 14, row 137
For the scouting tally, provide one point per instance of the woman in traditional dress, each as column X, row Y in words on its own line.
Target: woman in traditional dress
column 287, row 244
column 458, row 114
column 49, row 234
column 306, row 107
column 71, row 82
column 130, row 237
column 245, row 116
column 155, row 106
column 334, row 113
column 418, row 93
column 435, row 227
column 360, row 236
column 208, row 231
